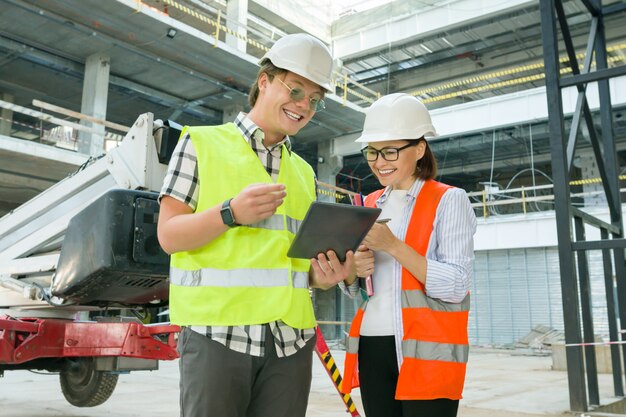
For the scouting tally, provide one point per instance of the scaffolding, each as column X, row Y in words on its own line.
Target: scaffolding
column 572, row 243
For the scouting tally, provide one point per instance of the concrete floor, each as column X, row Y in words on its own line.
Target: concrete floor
column 499, row 384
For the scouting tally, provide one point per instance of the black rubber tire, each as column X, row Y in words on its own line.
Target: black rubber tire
column 83, row 386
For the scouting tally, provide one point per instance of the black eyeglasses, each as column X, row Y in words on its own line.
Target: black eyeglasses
column 388, row 153
column 316, row 102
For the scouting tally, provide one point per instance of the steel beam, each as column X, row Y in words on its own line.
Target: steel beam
column 597, row 75
column 591, row 367
column 612, row 168
column 560, row 173
column 611, row 311
column 605, row 152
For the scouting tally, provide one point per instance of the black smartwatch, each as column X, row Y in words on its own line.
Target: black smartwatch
column 227, row 214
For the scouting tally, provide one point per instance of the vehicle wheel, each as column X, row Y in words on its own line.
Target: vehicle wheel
column 83, row 386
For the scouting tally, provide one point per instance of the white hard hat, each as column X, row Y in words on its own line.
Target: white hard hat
column 396, row 117
column 304, row 55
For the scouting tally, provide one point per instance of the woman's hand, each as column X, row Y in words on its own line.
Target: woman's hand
column 380, row 237
column 364, row 261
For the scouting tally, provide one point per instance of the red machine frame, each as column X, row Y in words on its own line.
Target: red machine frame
column 25, row 339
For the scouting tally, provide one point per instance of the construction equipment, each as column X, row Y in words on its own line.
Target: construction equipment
column 84, row 248
column 80, row 250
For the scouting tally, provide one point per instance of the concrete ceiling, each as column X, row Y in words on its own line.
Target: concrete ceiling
column 470, row 54
column 44, row 39
column 44, row 45
column 187, row 78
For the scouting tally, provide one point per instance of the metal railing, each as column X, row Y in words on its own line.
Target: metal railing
column 522, row 197
column 60, row 132
column 212, row 21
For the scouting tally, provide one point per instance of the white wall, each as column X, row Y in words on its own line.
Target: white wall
column 532, row 230
column 372, row 34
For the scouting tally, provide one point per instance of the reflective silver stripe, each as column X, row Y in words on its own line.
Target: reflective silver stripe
column 352, row 344
column 274, row 222
column 300, row 279
column 277, row 222
column 209, row 277
column 293, row 224
column 435, row 351
column 417, row 299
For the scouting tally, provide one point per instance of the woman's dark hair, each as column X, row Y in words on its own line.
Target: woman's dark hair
column 426, row 167
column 271, row 70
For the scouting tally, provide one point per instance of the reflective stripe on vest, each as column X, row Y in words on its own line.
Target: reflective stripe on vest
column 435, row 346
column 417, row 299
column 352, row 344
column 276, row 222
column 208, row 277
column 293, row 224
column 434, row 351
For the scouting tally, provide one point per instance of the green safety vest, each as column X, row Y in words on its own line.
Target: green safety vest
column 244, row 276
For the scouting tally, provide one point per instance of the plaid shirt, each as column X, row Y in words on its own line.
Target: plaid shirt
column 181, row 183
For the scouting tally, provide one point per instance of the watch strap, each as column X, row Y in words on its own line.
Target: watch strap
column 227, row 214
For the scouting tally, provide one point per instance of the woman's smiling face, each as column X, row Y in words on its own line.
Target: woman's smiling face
column 399, row 174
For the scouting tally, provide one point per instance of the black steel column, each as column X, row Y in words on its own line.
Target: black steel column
column 560, row 175
column 587, row 316
column 611, row 166
column 562, row 151
column 611, row 311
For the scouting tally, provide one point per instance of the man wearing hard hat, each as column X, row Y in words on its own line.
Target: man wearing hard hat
column 231, row 204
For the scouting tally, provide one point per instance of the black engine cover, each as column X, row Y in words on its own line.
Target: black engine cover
column 110, row 252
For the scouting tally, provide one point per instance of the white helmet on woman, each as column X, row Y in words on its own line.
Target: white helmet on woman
column 396, row 116
column 304, row 55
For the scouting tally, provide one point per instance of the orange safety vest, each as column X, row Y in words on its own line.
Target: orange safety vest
column 435, row 343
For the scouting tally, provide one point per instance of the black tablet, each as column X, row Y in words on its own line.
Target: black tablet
column 326, row 226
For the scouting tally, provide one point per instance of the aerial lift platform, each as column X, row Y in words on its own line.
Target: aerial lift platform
column 79, row 251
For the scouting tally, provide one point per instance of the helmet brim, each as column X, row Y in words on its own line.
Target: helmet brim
column 386, row 136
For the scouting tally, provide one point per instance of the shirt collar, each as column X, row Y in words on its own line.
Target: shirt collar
column 411, row 194
column 251, row 131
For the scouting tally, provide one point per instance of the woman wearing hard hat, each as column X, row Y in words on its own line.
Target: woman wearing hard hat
column 248, row 324
column 409, row 339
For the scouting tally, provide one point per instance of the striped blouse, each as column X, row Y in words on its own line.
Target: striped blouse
column 450, row 253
